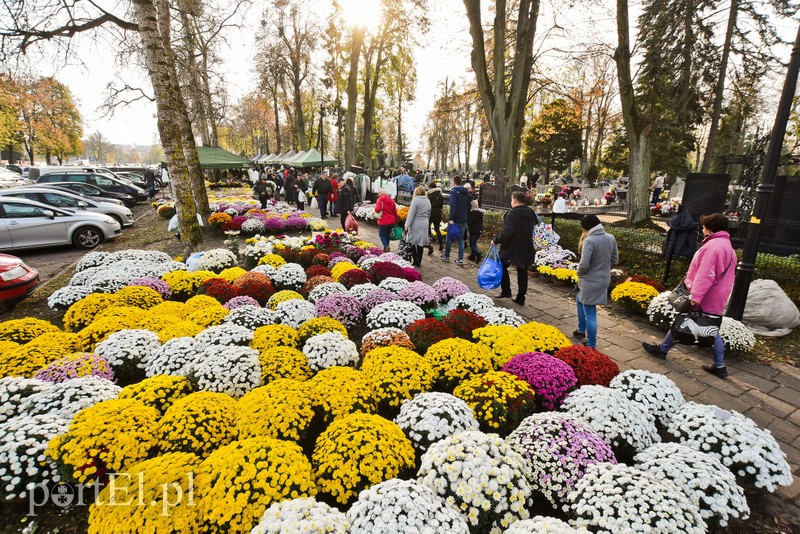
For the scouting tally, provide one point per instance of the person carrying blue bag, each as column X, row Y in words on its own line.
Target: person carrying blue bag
column 460, row 204
column 516, row 246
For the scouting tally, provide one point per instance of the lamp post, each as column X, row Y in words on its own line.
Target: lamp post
column 321, row 138
column 764, row 191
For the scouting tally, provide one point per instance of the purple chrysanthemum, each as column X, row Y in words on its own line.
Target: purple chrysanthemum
column 411, row 274
column 296, row 224
column 161, row 287
column 237, row 302
column 340, row 306
column 421, row 294
column 75, row 366
column 549, row 377
column 274, row 225
column 448, row 288
column 377, row 296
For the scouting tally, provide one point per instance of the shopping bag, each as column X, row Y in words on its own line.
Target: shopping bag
column 680, row 298
column 490, row 273
column 544, row 236
column 453, row 232
column 350, row 224
column 397, row 233
column 405, row 250
column 313, row 204
column 696, row 327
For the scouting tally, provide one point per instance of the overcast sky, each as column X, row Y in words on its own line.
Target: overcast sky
column 443, row 53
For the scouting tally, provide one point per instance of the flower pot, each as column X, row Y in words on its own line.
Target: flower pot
column 533, row 274
column 559, row 283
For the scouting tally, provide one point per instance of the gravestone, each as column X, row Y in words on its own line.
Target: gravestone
column 705, row 193
column 676, row 191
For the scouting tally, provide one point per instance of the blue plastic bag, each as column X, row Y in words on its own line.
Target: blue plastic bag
column 453, row 232
column 490, row 272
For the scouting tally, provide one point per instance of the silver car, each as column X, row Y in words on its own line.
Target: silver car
column 28, row 224
column 72, row 202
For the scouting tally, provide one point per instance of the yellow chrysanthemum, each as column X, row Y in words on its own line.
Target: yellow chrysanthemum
column 179, row 329
column 545, row 337
column 504, row 342
column 156, row 322
column 397, row 374
column 128, row 313
column 231, row 274
column 274, row 335
column 108, row 436
column 359, row 451
column 100, row 329
column 454, row 360
column 283, row 409
column 199, row 423
column 199, row 302
column 283, row 362
column 139, row 296
column 206, row 317
column 24, row 330
column 158, row 392
column 283, row 296
column 25, row 360
column 500, row 400
column 340, row 268
column 165, row 484
column 634, row 295
column 237, row 482
column 272, row 259
column 82, row 313
column 320, row 325
column 340, row 391
column 169, row 307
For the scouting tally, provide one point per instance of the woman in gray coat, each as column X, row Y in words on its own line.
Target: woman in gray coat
column 598, row 252
column 417, row 224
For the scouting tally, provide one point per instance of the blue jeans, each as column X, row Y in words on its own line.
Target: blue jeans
column 717, row 349
column 384, row 231
column 463, row 228
column 587, row 322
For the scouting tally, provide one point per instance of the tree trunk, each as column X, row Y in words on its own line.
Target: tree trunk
column 164, row 79
column 708, row 157
column 479, row 163
column 195, row 90
column 47, row 156
column 277, row 119
column 366, row 115
column 352, row 95
column 300, row 120
column 400, row 125
column 638, row 128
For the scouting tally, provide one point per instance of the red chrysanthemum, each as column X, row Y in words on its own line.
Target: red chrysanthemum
column 317, row 270
column 425, row 332
column 591, row 366
column 217, row 288
column 382, row 270
column 463, row 322
column 313, row 282
column 256, row 285
column 649, row 281
column 321, row 259
column 289, row 254
column 354, row 277
column 306, row 257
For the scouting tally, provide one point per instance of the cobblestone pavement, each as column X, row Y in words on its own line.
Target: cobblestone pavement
column 770, row 395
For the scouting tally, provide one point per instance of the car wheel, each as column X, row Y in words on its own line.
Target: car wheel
column 87, row 237
column 116, row 218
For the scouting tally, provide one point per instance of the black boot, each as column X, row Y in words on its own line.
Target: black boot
column 471, row 257
column 430, row 250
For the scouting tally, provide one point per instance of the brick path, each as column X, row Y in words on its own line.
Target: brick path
column 770, row 395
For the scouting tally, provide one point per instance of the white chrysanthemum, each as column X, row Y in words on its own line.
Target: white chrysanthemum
column 294, row 312
column 658, row 394
column 23, row 465
column 623, row 423
column 324, row 290
column 173, row 357
column 751, row 453
column 702, row 478
column 397, row 314
column 396, row 505
column 393, row 284
column 111, row 283
column 265, row 269
column 250, row 317
column 92, row 259
column 361, row 290
column 302, row 516
column 737, row 337
column 223, row 335
column 289, row 276
column 63, row 298
column 128, row 351
column 543, row 525
column 482, row 476
column 473, row 302
column 69, row 397
column 330, row 349
column 660, row 312
column 217, row 260
column 618, row 498
column 497, row 316
column 430, row 417
column 230, row 370
column 14, row 390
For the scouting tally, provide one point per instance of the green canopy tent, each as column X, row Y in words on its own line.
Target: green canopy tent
column 312, row 158
column 273, row 158
column 214, row 157
column 286, row 157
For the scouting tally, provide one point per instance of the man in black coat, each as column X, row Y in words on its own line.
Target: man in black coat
column 321, row 188
column 516, row 246
column 288, row 186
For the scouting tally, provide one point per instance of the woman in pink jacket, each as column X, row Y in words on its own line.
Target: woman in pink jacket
column 387, row 209
column 709, row 280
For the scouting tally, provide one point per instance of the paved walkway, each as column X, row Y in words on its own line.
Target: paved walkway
column 770, row 395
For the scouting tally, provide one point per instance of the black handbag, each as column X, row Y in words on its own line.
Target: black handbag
column 696, row 327
column 680, row 298
column 406, row 250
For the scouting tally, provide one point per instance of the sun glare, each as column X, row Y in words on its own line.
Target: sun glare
column 365, row 13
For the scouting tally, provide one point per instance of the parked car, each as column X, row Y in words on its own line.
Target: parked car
column 109, row 183
column 72, row 202
column 12, row 167
column 93, row 192
column 9, row 178
column 17, row 281
column 28, row 224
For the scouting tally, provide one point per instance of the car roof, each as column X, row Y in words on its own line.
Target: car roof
column 37, row 189
column 89, row 215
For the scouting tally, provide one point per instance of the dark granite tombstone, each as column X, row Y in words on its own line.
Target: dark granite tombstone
column 705, row 193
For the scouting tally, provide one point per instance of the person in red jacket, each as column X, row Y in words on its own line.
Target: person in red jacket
column 333, row 194
column 387, row 209
column 709, row 279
